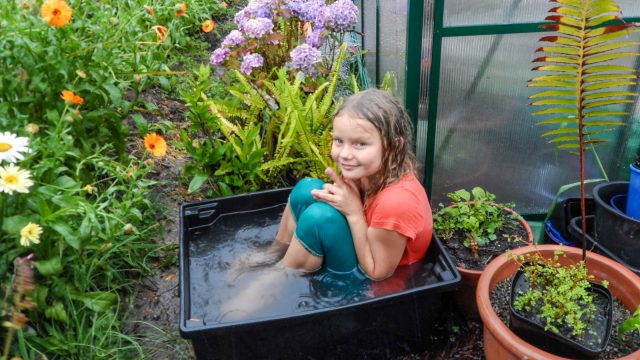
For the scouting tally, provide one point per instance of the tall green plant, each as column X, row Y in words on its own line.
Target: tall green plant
column 584, row 84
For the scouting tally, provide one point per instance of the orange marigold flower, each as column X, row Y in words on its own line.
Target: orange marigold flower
column 70, row 98
column 56, row 12
column 181, row 9
column 149, row 10
column 208, row 26
column 223, row 5
column 161, row 32
column 155, row 144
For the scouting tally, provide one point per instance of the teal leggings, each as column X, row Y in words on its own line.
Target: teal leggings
column 322, row 229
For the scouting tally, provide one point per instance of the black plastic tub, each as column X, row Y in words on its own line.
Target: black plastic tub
column 383, row 326
column 576, row 232
column 557, row 227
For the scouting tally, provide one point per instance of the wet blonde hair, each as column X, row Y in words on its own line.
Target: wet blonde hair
column 386, row 113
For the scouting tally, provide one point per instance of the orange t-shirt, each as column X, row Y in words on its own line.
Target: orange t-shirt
column 403, row 207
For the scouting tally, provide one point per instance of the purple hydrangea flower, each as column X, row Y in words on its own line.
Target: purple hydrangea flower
column 219, row 55
column 340, row 16
column 304, row 57
column 307, row 10
column 260, row 8
column 316, row 38
column 257, row 28
column 241, row 18
column 251, row 61
column 234, row 38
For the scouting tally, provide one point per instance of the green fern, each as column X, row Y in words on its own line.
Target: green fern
column 581, row 84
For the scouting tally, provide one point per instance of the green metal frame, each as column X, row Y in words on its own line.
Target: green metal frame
column 413, row 67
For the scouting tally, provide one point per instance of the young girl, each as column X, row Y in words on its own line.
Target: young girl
column 375, row 216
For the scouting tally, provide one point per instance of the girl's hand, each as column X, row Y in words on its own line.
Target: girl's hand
column 342, row 194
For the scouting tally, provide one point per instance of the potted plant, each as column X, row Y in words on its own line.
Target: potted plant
column 577, row 98
column 475, row 229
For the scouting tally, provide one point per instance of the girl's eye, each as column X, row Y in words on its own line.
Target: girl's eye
column 337, row 141
column 360, row 144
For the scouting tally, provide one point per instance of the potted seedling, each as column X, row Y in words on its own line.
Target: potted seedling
column 579, row 90
column 475, row 229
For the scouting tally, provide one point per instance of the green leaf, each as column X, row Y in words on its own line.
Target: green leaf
column 562, row 40
column 141, row 124
column 98, row 301
column 13, row 224
column 567, row 20
column 617, row 28
column 555, row 102
column 606, row 84
column 601, row 20
column 56, row 312
column 49, row 267
column 568, row 120
column 196, row 183
column 564, row 138
column 574, row 3
column 602, row 77
column 604, row 113
column 557, row 59
column 609, row 47
column 67, row 234
column 608, row 57
column 557, row 77
column 567, row 11
column 559, row 68
column 553, row 93
column 608, row 94
column 65, row 182
column 547, row 83
column 606, row 103
column 563, row 29
column 557, row 111
column 602, row 38
column 569, row 146
column 608, row 68
column 565, row 130
column 606, row 7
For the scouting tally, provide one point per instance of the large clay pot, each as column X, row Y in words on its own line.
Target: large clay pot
column 464, row 297
column 500, row 343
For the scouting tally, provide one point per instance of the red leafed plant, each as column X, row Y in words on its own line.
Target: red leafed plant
column 584, row 85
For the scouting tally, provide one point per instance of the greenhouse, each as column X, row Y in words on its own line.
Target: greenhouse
column 320, row 179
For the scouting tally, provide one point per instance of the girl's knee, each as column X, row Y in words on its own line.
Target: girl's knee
column 301, row 198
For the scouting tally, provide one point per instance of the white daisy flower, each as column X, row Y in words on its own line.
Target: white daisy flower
column 30, row 234
column 12, row 147
column 13, row 179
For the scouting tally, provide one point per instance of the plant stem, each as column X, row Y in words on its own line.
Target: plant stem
column 7, row 344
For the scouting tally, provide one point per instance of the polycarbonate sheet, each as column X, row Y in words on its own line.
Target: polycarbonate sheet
column 484, row 12
column 368, row 27
column 425, row 72
column 486, row 135
column 392, row 44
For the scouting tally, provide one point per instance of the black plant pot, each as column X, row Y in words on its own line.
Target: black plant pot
column 614, row 230
column 575, row 229
column 557, row 227
column 596, row 335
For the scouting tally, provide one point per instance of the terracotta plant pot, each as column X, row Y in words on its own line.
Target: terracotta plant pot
column 464, row 296
column 500, row 343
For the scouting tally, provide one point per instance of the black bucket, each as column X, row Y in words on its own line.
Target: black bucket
column 576, row 232
column 614, row 230
column 557, row 227
column 381, row 327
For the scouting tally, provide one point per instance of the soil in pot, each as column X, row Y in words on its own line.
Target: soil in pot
column 615, row 349
column 510, row 236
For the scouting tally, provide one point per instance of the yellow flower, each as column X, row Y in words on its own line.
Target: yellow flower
column 70, row 98
column 181, row 9
column 155, row 144
column 13, row 179
column 56, row 12
column 208, row 26
column 81, row 73
column 161, row 32
column 223, row 5
column 30, row 234
column 89, row 189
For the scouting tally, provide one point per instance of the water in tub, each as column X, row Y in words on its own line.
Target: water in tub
column 226, row 286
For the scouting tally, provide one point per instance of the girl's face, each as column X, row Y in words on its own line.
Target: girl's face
column 357, row 147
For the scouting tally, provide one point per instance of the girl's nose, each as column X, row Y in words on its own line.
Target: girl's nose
column 345, row 152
